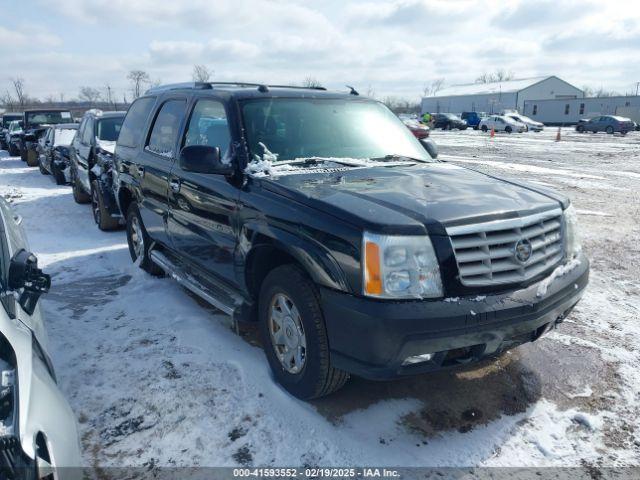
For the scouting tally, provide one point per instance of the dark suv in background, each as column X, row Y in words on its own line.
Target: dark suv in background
column 5, row 120
column 448, row 121
column 35, row 123
column 91, row 160
column 321, row 217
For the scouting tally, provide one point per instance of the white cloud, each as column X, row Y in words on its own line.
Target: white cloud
column 394, row 46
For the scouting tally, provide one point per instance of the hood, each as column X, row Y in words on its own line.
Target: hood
column 405, row 199
column 106, row 145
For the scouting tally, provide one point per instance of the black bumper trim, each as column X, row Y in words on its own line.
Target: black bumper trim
column 371, row 338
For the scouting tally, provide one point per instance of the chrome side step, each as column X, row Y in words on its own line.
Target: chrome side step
column 216, row 296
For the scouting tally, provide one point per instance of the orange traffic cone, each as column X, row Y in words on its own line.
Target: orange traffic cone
column 558, row 136
column 493, row 132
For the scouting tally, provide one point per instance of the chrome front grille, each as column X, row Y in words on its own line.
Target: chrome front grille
column 486, row 252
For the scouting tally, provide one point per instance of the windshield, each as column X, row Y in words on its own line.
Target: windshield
column 7, row 119
column 45, row 117
column 109, row 128
column 64, row 136
column 15, row 126
column 305, row 128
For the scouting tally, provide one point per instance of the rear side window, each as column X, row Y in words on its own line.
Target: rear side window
column 87, row 134
column 131, row 130
column 208, row 126
column 164, row 132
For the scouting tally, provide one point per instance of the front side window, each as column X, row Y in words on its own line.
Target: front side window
column 208, row 126
column 64, row 136
column 164, row 133
column 298, row 128
column 132, row 128
column 109, row 128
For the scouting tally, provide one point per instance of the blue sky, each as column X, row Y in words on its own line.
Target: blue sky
column 393, row 48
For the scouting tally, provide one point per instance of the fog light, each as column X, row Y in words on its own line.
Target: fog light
column 425, row 357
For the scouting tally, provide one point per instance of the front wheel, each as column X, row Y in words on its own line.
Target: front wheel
column 508, row 129
column 484, row 128
column 294, row 335
column 101, row 214
column 43, row 170
column 139, row 242
column 580, row 129
column 609, row 130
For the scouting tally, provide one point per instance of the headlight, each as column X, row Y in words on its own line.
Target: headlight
column 571, row 238
column 400, row 267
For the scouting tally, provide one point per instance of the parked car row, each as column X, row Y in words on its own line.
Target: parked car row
column 506, row 122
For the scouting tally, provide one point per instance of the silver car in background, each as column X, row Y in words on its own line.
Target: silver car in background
column 38, row 432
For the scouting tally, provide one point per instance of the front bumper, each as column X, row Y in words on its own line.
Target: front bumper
column 372, row 338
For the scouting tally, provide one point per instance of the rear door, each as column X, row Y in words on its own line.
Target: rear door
column 83, row 152
column 202, row 207
column 156, row 159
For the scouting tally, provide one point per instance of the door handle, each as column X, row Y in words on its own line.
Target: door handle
column 175, row 185
column 141, row 171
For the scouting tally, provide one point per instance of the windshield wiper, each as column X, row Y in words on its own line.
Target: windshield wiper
column 352, row 162
column 395, row 156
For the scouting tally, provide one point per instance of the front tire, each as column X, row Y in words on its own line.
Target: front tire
column 101, row 214
column 294, row 335
column 580, row 129
column 139, row 242
column 43, row 170
column 609, row 130
column 508, row 129
column 484, row 128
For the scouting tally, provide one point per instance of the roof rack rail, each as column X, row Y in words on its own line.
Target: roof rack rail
column 210, row 85
column 180, row 86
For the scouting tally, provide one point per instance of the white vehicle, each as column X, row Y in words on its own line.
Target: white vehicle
column 501, row 123
column 531, row 124
column 38, row 432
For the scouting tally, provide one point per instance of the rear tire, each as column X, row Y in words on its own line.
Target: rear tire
column 32, row 158
column 139, row 242
column 316, row 377
column 101, row 215
column 79, row 195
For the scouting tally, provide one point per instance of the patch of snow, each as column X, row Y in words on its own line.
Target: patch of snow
column 557, row 273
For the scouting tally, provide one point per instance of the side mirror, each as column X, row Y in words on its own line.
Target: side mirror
column 25, row 275
column 430, row 147
column 204, row 159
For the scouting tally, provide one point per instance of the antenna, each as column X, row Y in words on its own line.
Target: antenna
column 353, row 90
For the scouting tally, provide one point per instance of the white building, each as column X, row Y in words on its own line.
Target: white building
column 562, row 111
column 498, row 96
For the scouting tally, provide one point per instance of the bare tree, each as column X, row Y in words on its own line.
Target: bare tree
column 89, row 94
column 18, row 87
column 432, row 88
column 138, row 79
column 401, row 105
column 588, row 91
column 8, row 101
column 500, row 75
column 602, row 92
column 109, row 96
column 201, row 73
column 311, row 82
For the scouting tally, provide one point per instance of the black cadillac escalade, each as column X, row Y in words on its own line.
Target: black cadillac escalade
column 321, row 217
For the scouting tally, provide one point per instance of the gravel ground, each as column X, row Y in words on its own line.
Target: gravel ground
column 156, row 378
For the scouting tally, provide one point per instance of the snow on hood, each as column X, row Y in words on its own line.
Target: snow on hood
column 106, row 145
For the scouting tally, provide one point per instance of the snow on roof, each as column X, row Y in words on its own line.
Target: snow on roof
column 489, row 88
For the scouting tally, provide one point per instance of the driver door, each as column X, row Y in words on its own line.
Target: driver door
column 202, row 207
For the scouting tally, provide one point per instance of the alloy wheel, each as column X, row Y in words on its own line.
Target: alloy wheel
column 287, row 333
